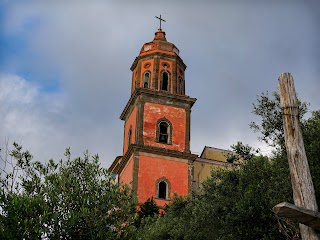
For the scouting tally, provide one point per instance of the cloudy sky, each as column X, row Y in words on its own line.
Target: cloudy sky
column 65, row 77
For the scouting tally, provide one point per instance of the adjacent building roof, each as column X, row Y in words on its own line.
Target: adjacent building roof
column 115, row 164
column 216, row 154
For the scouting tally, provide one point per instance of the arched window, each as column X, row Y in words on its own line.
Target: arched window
column 129, row 135
column 165, row 81
column 162, row 190
column 146, row 80
column 163, row 187
column 163, row 132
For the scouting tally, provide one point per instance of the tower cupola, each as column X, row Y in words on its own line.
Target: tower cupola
column 159, row 67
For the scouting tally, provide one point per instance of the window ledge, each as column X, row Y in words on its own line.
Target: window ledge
column 163, row 143
column 167, row 199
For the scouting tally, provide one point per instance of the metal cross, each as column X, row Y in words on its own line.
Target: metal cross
column 160, row 19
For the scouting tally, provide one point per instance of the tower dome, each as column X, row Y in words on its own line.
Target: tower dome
column 159, row 43
column 159, row 67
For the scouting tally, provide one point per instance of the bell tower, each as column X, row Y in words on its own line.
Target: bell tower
column 156, row 160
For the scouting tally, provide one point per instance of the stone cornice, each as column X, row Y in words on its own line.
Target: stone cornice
column 151, row 95
column 212, row 161
column 113, row 167
column 135, row 149
column 160, row 54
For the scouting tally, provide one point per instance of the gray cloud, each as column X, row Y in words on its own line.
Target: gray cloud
column 233, row 52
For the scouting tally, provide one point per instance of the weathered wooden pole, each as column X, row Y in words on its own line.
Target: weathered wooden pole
column 303, row 190
column 305, row 216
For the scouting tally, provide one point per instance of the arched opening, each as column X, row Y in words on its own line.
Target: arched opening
column 165, row 81
column 146, row 79
column 162, row 190
column 163, row 132
column 129, row 135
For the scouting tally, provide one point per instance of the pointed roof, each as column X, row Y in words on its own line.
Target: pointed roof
column 160, row 35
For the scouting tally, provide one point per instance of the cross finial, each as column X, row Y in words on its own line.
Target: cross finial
column 160, row 19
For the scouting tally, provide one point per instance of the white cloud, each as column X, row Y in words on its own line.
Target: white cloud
column 43, row 124
column 27, row 114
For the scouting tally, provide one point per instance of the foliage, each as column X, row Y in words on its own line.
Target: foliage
column 242, row 152
column 311, row 137
column 77, row 199
column 272, row 133
column 234, row 204
column 170, row 225
column 271, row 130
column 72, row 199
column 271, row 126
column 148, row 209
column 237, row 203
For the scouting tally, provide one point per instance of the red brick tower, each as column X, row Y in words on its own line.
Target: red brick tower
column 156, row 159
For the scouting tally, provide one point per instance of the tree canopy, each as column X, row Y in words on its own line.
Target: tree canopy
column 237, row 203
column 78, row 199
column 71, row 199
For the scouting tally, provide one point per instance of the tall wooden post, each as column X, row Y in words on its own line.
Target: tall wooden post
column 303, row 190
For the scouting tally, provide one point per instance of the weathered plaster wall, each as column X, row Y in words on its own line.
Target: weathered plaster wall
column 203, row 168
column 126, row 175
column 202, row 171
column 177, row 117
column 152, row 168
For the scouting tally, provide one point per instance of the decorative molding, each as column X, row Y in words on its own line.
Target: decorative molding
column 190, row 176
column 147, row 65
column 155, row 73
column 135, row 149
column 139, row 75
column 140, row 115
column 160, row 97
column 135, row 173
column 174, row 77
column 166, row 65
column 187, row 136
column 159, row 54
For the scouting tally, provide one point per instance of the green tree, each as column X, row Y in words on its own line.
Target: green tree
column 170, row 225
column 233, row 204
column 242, row 198
column 270, row 127
column 311, row 138
column 71, row 199
column 147, row 209
column 241, row 152
column 236, row 203
column 271, row 132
